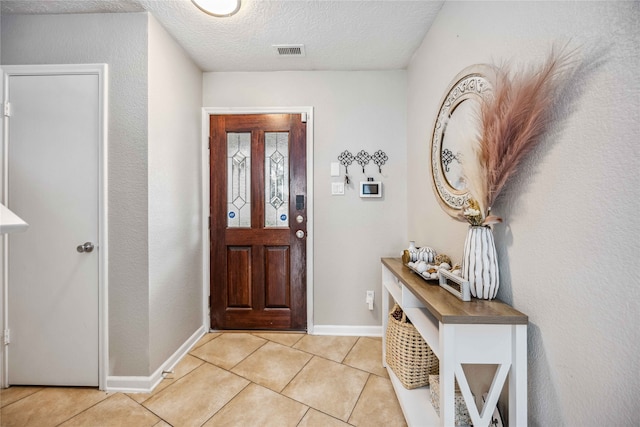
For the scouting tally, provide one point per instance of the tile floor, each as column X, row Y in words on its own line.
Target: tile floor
column 234, row 379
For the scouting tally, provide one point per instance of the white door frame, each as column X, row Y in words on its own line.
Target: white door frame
column 206, row 112
column 101, row 70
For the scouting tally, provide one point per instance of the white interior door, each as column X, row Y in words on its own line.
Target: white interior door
column 53, row 182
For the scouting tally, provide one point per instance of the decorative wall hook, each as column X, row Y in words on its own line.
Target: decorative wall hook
column 380, row 158
column 363, row 159
column 346, row 158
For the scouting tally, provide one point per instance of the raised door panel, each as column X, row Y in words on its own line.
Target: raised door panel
column 277, row 283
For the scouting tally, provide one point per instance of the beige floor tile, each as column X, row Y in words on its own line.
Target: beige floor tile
column 194, row 398
column 332, row 348
column 228, row 350
column 272, row 365
column 205, row 339
column 50, row 406
column 259, row 406
column 315, row 418
column 378, row 405
column 186, row 365
column 162, row 423
column 367, row 355
column 15, row 393
column 328, row 387
column 284, row 338
column 117, row 410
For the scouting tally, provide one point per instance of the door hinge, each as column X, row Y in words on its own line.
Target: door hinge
column 7, row 338
column 303, row 117
column 209, row 143
column 7, row 109
column 209, row 223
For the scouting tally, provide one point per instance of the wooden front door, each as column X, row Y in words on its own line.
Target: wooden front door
column 258, row 221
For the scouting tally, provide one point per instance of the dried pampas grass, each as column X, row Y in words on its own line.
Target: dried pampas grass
column 512, row 122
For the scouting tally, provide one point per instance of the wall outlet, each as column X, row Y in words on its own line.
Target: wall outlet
column 370, row 299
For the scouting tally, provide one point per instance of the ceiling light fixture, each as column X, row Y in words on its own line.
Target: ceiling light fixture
column 219, row 8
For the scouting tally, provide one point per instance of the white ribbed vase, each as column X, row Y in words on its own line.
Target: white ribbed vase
column 480, row 262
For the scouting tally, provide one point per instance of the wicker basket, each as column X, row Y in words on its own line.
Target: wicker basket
column 407, row 353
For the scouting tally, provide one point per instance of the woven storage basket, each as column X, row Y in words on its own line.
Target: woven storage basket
column 407, row 353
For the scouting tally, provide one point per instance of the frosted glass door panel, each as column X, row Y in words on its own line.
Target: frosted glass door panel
column 276, row 179
column 239, row 180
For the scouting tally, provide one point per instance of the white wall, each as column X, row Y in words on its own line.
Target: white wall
column 354, row 111
column 119, row 40
column 175, row 231
column 569, row 245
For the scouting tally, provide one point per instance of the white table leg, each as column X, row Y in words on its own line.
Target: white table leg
column 447, row 375
column 518, row 377
column 385, row 319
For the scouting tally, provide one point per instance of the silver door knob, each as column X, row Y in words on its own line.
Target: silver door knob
column 87, row 247
column 299, row 234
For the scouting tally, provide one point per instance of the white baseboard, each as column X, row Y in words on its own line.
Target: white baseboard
column 342, row 330
column 131, row 384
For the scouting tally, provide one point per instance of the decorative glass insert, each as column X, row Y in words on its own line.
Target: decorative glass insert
column 276, row 179
column 239, row 179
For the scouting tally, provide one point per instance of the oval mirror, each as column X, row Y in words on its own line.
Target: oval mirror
column 457, row 120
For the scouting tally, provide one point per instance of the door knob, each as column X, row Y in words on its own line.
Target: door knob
column 299, row 234
column 87, row 247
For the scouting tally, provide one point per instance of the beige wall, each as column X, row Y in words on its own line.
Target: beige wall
column 175, row 225
column 119, row 40
column 155, row 92
column 354, row 111
column 569, row 242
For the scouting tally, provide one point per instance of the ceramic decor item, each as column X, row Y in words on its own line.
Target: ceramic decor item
column 413, row 251
column 480, row 262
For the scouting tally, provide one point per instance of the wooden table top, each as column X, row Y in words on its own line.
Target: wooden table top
column 447, row 308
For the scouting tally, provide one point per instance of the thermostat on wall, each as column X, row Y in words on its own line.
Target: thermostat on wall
column 370, row 189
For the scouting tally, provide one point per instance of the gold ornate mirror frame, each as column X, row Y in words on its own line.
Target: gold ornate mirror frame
column 470, row 86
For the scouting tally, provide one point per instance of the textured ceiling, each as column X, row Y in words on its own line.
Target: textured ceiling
column 337, row 35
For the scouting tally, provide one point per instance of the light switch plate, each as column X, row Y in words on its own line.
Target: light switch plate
column 335, row 169
column 337, row 188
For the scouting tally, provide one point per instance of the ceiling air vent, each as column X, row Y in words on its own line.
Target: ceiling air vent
column 289, row 49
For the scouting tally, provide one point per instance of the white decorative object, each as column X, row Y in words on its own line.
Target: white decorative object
column 426, row 253
column 480, row 263
column 421, row 267
column 413, row 251
column 461, row 289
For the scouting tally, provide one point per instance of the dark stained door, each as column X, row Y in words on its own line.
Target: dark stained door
column 258, row 222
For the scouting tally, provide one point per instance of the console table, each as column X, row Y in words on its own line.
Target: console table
column 474, row 332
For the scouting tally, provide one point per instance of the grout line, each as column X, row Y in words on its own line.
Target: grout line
column 303, row 415
column 228, row 401
column 89, row 407
column 249, row 355
column 296, row 376
column 23, row 397
column 350, row 350
column 156, row 414
column 359, row 397
column 370, row 376
column 146, row 409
